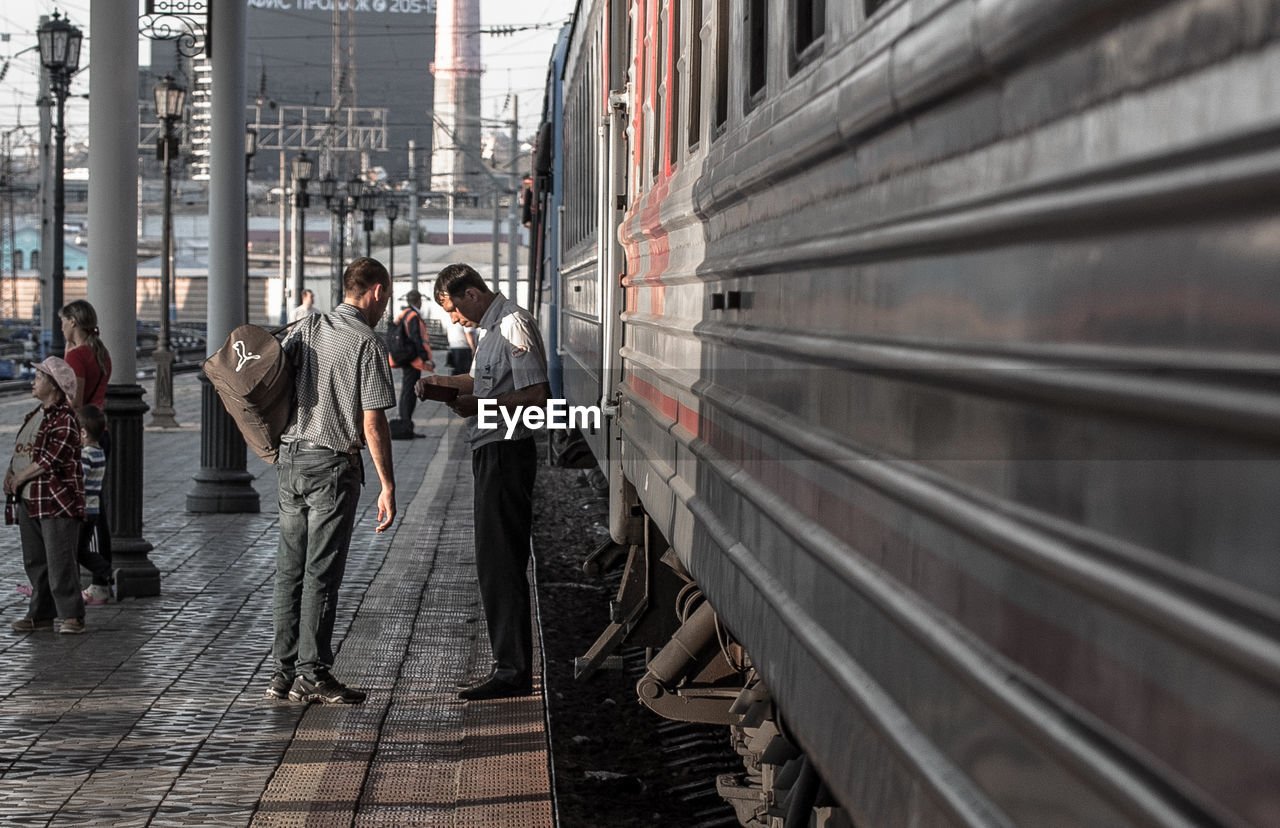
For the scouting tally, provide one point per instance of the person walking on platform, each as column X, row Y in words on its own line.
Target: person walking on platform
column 307, row 308
column 410, row 331
column 342, row 389
column 44, row 489
column 510, row 368
column 462, row 345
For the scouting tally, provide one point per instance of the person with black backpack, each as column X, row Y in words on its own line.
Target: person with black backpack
column 409, row 350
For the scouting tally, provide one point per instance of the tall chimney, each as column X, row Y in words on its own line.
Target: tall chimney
column 455, row 155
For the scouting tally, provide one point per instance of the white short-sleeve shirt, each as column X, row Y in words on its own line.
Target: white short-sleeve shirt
column 509, row 356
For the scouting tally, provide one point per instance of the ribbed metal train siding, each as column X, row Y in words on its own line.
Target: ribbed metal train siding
column 983, row 468
column 580, row 314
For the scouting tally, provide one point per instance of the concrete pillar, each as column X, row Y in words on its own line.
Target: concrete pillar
column 222, row 484
column 113, row 278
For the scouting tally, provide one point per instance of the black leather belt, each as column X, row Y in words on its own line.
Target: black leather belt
column 307, row 445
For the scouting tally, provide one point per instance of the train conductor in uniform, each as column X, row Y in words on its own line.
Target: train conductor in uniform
column 510, row 367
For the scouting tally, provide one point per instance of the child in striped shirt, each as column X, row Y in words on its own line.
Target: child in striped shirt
column 94, row 462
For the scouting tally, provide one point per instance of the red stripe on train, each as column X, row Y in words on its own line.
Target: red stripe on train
column 676, row 411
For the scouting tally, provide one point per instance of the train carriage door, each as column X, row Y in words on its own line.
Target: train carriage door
column 615, row 196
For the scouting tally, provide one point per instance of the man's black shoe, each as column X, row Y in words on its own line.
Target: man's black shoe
column 278, row 687
column 326, row 689
column 495, row 688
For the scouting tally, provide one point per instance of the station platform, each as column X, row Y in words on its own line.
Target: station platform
column 156, row 716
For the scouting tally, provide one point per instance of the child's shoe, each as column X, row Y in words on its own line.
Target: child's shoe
column 25, row 589
column 96, row 594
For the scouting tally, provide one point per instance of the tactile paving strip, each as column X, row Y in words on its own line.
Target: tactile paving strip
column 414, row 754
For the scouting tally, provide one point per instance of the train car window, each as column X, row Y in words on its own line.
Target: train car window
column 872, row 6
column 757, row 47
column 695, row 73
column 722, row 64
column 810, row 20
column 660, row 82
column 673, row 86
column 619, row 34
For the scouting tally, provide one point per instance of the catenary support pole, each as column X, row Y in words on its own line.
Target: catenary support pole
column 414, row 198
column 513, row 208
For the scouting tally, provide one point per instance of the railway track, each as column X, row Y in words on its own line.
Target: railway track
column 187, row 360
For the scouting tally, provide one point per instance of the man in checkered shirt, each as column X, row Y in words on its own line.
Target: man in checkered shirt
column 342, row 388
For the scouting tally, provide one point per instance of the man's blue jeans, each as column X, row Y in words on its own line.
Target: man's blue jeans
column 319, row 490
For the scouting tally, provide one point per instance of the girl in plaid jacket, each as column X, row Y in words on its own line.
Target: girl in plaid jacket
column 44, row 488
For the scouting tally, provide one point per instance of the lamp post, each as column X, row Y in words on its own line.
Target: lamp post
column 392, row 210
column 250, row 150
column 60, row 54
column 341, row 200
column 369, row 205
column 331, row 192
column 355, row 190
column 169, row 96
column 303, row 165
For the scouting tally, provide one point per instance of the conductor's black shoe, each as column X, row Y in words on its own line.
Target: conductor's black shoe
column 325, row 688
column 495, row 688
column 278, row 687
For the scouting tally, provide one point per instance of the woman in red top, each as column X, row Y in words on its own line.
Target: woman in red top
column 86, row 354
column 89, row 358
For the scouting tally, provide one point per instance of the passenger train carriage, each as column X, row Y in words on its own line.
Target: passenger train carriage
column 939, row 342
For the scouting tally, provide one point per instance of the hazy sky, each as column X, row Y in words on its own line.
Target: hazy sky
column 515, row 63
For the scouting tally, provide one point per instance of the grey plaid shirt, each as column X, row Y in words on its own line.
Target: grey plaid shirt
column 342, row 371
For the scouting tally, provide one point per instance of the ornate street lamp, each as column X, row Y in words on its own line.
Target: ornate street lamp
column 341, row 199
column 303, row 166
column 370, row 200
column 60, row 54
column 169, row 95
column 393, row 211
column 355, row 188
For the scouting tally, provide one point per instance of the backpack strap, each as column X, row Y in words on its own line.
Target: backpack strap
column 424, row 343
column 275, row 331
